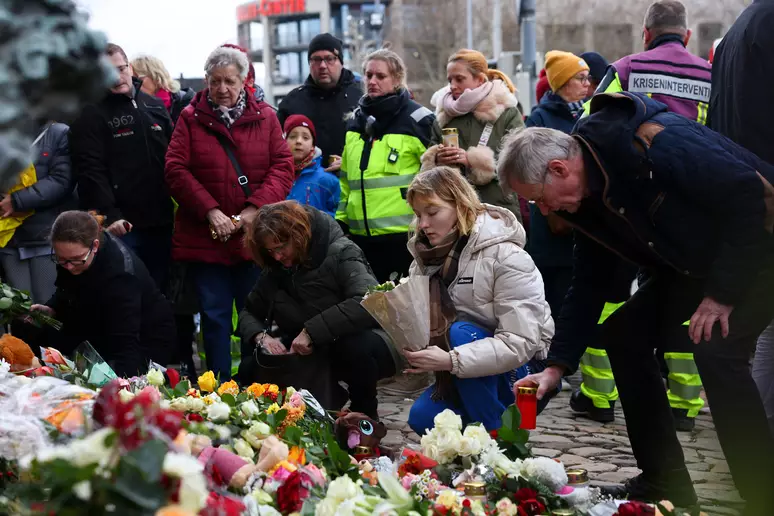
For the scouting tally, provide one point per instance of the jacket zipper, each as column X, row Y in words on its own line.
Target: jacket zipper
column 144, row 134
column 365, row 156
column 617, row 213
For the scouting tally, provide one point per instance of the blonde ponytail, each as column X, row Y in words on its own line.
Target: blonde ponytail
column 497, row 74
column 477, row 66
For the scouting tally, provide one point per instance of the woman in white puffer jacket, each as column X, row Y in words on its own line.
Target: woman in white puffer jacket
column 488, row 313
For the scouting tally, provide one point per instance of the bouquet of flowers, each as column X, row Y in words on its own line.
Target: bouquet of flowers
column 16, row 304
column 402, row 309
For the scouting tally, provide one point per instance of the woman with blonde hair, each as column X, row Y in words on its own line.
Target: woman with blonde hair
column 157, row 82
column 481, row 105
column 490, row 322
column 385, row 140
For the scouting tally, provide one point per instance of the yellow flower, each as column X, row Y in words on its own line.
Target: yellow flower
column 448, row 498
column 229, row 387
column 256, row 390
column 207, row 382
column 297, row 455
column 273, row 389
column 273, row 409
column 194, row 393
column 174, row 510
column 282, row 464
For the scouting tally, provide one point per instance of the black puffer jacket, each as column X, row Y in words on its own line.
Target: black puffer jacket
column 322, row 296
column 118, row 148
column 51, row 194
column 327, row 109
column 116, row 306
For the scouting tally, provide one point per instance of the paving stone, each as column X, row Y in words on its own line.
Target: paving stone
column 703, row 444
column 720, row 467
column 721, row 511
column 552, row 439
column 546, row 452
column 615, row 476
column 707, row 434
column 718, row 493
column 594, row 441
column 698, row 466
column 571, row 460
column 563, row 433
column 632, row 472
column 592, row 451
column 691, row 453
column 713, row 454
column 624, row 450
column 601, row 483
column 597, row 467
column 704, row 477
column 623, row 461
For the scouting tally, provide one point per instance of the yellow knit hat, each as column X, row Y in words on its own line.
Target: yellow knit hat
column 561, row 67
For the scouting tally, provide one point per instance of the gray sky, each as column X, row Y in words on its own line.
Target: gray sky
column 179, row 32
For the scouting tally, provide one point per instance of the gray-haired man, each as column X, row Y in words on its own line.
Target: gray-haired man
column 698, row 216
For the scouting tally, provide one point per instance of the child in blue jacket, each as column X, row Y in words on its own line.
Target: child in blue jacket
column 313, row 185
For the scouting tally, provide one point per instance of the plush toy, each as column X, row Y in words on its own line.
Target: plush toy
column 229, row 469
column 355, row 429
column 17, row 353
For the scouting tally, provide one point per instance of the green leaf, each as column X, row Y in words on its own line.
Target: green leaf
column 147, row 460
column 228, row 399
column 511, row 418
column 293, row 435
column 181, row 389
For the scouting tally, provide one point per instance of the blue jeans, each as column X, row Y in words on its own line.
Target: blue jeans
column 481, row 399
column 154, row 247
column 220, row 287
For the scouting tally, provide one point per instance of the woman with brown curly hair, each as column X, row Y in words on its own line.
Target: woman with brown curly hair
column 312, row 281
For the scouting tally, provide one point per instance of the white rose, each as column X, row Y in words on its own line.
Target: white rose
column 343, row 488
column 83, row 490
column 193, row 492
column 125, row 396
column 218, row 412
column 260, row 430
column 91, row 449
column 243, row 449
column 195, row 404
column 468, row 447
column 155, row 377
column 448, row 440
column 448, row 420
column 478, row 433
column 165, row 404
column 213, row 396
column 179, row 465
column 249, row 409
column 179, row 404
column 326, row 508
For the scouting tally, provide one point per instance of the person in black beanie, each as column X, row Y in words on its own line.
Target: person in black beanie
column 597, row 69
column 329, row 93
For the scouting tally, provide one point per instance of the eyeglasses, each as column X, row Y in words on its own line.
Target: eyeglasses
column 583, row 79
column 317, row 60
column 77, row 263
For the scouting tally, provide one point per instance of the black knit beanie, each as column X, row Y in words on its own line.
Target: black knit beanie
column 325, row 42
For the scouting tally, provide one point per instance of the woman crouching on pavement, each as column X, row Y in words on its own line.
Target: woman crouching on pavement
column 312, row 281
column 105, row 295
column 488, row 313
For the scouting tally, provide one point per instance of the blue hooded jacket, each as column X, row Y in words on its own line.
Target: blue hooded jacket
column 317, row 188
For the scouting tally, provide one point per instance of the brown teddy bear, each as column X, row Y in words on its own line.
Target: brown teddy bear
column 17, row 353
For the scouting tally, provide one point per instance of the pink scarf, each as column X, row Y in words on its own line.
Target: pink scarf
column 165, row 97
column 466, row 102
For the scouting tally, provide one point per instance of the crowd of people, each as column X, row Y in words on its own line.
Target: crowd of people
column 622, row 227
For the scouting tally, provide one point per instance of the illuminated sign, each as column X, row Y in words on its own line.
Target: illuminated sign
column 253, row 10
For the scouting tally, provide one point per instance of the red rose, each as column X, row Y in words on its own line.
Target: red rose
column 525, row 493
column 531, row 507
column 291, row 494
column 635, row 509
column 194, row 418
column 107, row 402
column 493, row 434
column 220, row 505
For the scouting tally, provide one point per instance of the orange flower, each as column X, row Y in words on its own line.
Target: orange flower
column 297, row 455
column 273, row 389
column 282, row 464
column 256, row 390
column 194, row 393
column 174, row 510
column 229, row 387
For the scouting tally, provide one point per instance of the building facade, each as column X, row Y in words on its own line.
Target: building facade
column 277, row 33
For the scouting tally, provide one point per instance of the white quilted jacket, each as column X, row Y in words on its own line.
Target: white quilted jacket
column 499, row 288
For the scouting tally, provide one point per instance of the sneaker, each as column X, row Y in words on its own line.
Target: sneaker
column 680, row 493
column 683, row 423
column 580, row 403
column 407, row 385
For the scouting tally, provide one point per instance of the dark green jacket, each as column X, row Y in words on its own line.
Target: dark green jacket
column 322, row 295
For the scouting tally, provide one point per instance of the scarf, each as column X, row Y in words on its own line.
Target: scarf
column 466, row 102
column 229, row 115
column 576, row 108
column 442, row 263
column 166, row 98
column 301, row 165
column 379, row 112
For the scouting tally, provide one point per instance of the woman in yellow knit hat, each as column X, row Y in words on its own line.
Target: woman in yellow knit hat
column 550, row 240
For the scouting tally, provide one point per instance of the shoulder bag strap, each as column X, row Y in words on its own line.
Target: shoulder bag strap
column 241, row 177
column 486, row 134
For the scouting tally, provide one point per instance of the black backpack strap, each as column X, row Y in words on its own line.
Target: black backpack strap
column 241, row 177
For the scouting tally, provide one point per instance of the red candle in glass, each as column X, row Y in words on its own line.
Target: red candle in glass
column 526, row 401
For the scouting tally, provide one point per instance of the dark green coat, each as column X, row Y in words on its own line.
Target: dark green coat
column 499, row 108
column 322, row 295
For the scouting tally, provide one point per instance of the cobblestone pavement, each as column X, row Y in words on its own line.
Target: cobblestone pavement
column 602, row 449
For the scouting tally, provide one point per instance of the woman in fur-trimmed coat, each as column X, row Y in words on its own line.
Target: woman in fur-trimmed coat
column 480, row 103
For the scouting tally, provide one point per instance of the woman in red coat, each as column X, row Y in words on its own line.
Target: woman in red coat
column 216, row 199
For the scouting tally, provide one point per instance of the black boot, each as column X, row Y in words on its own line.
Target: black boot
column 677, row 488
column 683, row 423
column 579, row 402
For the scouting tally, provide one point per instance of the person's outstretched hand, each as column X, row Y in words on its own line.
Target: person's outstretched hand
column 546, row 381
column 707, row 314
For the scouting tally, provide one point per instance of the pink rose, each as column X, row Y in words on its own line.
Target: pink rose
column 297, row 401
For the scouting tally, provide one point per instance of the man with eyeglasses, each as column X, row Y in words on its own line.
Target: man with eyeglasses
column 695, row 211
column 329, row 93
column 117, row 148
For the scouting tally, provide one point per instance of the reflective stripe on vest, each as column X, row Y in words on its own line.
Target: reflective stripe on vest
column 686, row 392
column 681, row 363
column 382, row 182
column 382, row 223
column 595, row 361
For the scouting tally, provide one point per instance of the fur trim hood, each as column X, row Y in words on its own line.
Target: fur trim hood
column 487, row 111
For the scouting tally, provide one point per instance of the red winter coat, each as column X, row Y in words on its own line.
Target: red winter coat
column 200, row 175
